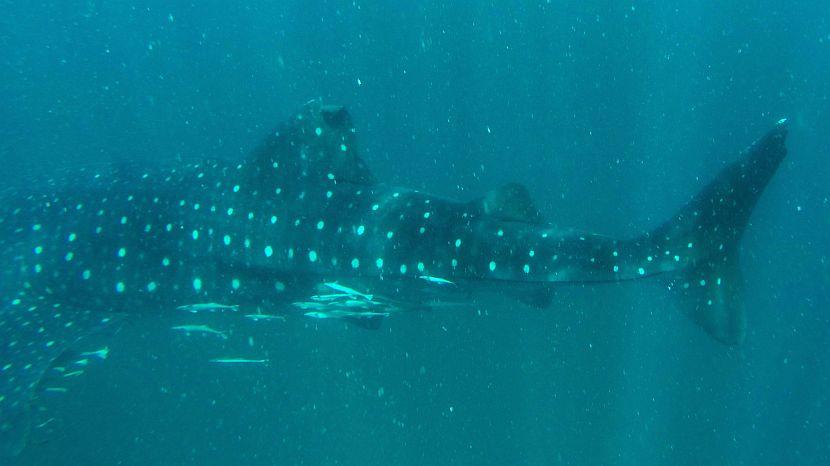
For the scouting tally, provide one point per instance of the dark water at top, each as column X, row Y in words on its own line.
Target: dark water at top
column 612, row 113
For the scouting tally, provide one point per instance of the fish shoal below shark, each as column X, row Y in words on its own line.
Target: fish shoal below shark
column 83, row 248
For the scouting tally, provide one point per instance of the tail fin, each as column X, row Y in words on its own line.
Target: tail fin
column 701, row 242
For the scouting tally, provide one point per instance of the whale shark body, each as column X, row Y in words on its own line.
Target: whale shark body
column 80, row 250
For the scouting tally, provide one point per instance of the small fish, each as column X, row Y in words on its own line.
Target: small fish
column 354, row 303
column 345, row 289
column 200, row 329
column 344, row 314
column 238, row 361
column 436, row 280
column 330, row 297
column 73, row 373
column 101, row 353
column 48, row 421
column 307, row 305
column 258, row 317
column 55, row 389
column 208, row 307
column 368, row 314
column 82, row 362
column 335, row 306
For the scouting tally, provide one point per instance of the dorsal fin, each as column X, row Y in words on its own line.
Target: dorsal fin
column 317, row 142
column 510, row 202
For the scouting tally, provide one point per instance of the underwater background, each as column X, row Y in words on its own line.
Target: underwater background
column 612, row 113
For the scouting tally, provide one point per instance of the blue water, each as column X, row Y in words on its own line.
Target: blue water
column 612, row 113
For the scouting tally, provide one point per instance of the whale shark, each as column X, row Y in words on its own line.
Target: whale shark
column 302, row 227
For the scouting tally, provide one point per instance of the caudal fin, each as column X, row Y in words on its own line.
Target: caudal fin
column 700, row 243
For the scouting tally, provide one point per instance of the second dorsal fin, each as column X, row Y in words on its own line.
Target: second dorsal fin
column 510, row 202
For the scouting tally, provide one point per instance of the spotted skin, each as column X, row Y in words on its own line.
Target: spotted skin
column 303, row 208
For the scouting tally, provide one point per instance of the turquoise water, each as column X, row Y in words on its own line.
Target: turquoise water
column 613, row 114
